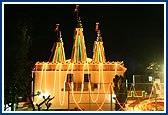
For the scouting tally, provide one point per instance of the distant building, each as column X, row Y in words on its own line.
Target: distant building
column 142, row 82
column 148, row 89
column 155, row 72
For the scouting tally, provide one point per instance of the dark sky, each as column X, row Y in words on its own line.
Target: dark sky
column 131, row 33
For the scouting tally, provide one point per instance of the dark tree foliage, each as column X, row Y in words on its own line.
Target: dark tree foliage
column 18, row 67
column 120, row 91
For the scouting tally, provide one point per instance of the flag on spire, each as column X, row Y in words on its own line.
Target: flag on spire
column 56, row 29
column 76, row 9
column 97, row 25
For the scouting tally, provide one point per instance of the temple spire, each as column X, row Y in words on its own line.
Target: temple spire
column 59, row 54
column 57, row 29
column 98, row 48
column 76, row 10
column 79, row 49
column 79, row 24
column 99, row 38
column 60, row 37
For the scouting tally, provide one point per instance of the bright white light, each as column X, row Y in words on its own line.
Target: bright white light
column 150, row 78
column 113, row 95
column 44, row 94
column 8, row 108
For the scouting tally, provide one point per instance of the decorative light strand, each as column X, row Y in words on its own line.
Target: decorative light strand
column 82, row 85
column 60, row 84
column 100, row 107
column 90, row 87
column 54, row 82
column 102, row 103
column 72, row 91
column 64, row 88
column 40, row 82
column 108, row 98
column 127, row 97
column 118, row 102
column 151, row 91
column 32, row 87
column 45, row 77
column 116, row 68
column 136, row 93
column 149, row 95
column 98, row 88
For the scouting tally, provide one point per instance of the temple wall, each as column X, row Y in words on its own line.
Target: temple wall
column 55, row 86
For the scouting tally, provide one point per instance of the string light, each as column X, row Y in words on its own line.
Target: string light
column 60, row 84
column 32, row 86
column 151, row 91
column 62, row 103
column 98, row 88
column 134, row 94
column 108, row 98
column 40, row 82
column 72, row 91
column 116, row 68
column 90, row 87
column 147, row 99
column 45, row 76
column 54, row 82
column 126, row 98
column 102, row 103
column 82, row 85
column 64, row 86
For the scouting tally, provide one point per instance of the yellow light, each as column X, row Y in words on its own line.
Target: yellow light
column 62, row 98
column 82, row 85
column 45, row 76
column 72, row 91
column 98, row 88
column 44, row 94
column 64, row 86
column 54, row 81
column 116, row 68
column 103, row 85
column 90, row 89
column 102, row 103
column 40, row 82
column 60, row 86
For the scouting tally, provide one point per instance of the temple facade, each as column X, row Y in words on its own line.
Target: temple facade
column 80, row 82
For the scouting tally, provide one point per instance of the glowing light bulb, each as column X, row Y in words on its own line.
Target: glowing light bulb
column 44, row 94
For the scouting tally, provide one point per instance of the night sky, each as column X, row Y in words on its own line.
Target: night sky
column 131, row 33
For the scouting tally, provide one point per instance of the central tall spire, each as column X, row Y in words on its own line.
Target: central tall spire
column 79, row 50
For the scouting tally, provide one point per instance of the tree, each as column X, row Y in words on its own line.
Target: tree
column 18, row 66
column 120, row 91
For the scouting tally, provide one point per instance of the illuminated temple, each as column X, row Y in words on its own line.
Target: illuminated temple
column 80, row 82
